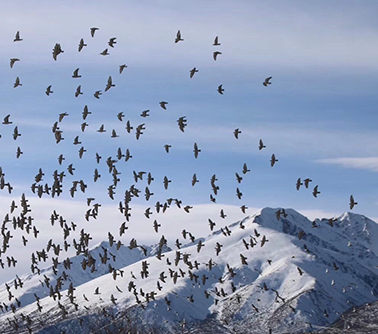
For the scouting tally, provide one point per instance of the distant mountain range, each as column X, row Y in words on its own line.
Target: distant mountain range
column 274, row 271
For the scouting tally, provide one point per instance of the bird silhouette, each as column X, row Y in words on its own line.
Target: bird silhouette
column 13, row 61
column 17, row 37
column 93, row 30
column 352, row 202
column 178, row 37
column 267, row 82
column 193, row 71
column 81, row 45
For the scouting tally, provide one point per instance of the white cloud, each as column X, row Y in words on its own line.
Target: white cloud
column 368, row 163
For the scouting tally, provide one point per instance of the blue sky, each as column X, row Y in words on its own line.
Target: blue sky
column 318, row 116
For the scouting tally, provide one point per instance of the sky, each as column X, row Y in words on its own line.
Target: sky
column 318, row 115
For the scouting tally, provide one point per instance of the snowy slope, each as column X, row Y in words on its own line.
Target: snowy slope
column 306, row 273
column 34, row 284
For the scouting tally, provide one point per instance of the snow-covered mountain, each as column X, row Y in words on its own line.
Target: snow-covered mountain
column 271, row 270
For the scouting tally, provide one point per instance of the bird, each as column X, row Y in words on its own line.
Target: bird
column 93, row 30
column 62, row 115
column 145, row 113
column 17, row 83
column 163, row 104
column 48, row 91
column 17, row 37
column 166, row 182
column 128, row 127
column 97, row 94
column 57, row 51
column 238, row 178
column 245, row 169
column 220, row 89
column 216, row 42
column 236, row 133
column 298, row 184
column 216, row 54
column 273, row 160
column 167, row 147
column 120, row 116
column 16, row 133
column 76, row 74
column 194, row 179
column 78, row 91
column 306, row 182
column 105, row 53
column 81, row 45
column 193, row 71
column 267, row 82
column 315, row 192
column 178, row 37
column 109, row 84
column 196, row 150
column 121, row 68
column 352, row 203
column 19, row 152
column 102, row 128
column 112, row 41
column 261, row 145
column 12, row 61
column 114, row 134
column 6, row 120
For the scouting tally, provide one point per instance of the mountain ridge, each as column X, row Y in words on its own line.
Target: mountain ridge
column 295, row 274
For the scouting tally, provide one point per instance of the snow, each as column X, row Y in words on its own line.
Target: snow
column 267, row 292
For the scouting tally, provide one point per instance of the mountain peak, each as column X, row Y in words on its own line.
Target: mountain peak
column 274, row 269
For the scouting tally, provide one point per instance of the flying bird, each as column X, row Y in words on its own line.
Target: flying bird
column 178, row 37
column 306, row 182
column 56, row 51
column 196, row 150
column 163, row 104
column 193, row 71
column 273, row 160
column 236, row 133
column 12, row 61
column 93, row 30
column 216, row 42
column 238, row 178
column 17, row 37
column 17, row 83
column 112, row 41
column 81, row 45
column 267, row 82
column 6, row 120
column 48, row 91
column 121, row 68
column 109, row 84
column 245, row 169
column 352, row 203
column 261, row 145
column 216, row 54
column 315, row 192
column 76, row 74
column 97, row 94
column 298, row 184
column 220, row 89
column 105, row 53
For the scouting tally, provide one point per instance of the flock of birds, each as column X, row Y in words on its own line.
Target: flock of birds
column 24, row 221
